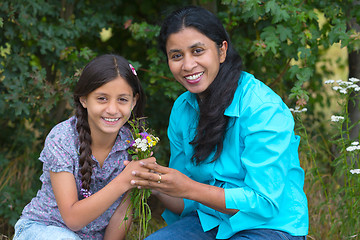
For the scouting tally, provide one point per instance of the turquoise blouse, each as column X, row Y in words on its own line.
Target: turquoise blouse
column 258, row 168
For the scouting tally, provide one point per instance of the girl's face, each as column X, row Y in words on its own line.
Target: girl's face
column 109, row 107
column 194, row 59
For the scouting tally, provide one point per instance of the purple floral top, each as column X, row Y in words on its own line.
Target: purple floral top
column 60, row 153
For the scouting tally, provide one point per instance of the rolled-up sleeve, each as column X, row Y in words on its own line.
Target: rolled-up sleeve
column 266, row 133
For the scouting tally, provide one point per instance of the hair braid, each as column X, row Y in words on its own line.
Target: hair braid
column 85, row 160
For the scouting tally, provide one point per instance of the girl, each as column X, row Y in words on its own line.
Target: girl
column 84, row 180
column 234, row 167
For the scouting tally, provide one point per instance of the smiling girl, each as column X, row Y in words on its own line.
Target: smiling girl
column 84, row 180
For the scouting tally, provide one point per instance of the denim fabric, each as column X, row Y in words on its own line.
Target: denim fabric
column 189, row 227
column 26, row 229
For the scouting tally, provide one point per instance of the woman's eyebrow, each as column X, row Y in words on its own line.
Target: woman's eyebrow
column 198, row 44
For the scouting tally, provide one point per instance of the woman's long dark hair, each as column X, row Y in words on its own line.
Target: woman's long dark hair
column 96, row 73
column 217, row 97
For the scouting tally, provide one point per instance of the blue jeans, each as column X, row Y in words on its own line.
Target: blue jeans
column 26, row 229
column 189, row 227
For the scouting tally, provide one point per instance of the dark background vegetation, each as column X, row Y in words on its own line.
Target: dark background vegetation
column 45, row 43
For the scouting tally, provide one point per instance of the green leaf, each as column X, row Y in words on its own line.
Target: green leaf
column 285, row 32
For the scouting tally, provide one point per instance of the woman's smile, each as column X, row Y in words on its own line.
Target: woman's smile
column 195, row 78
column 194, row 59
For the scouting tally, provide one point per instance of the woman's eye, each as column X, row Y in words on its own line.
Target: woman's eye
column 176, row 56
column 198, row 50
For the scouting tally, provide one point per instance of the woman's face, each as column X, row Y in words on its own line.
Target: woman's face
column 109, row 107
column 194, row 59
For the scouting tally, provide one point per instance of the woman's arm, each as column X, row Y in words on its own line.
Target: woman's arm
column 174, row 204
column 77, row 214
column 118, row 227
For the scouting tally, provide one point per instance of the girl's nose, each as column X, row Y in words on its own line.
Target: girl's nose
column 112, row 108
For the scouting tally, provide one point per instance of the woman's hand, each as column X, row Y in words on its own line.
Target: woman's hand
column 135, row 166
column 173, row 183
column 163, row 179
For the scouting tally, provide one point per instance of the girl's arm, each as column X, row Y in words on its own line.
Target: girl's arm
column 117, row 227
column 77, row 214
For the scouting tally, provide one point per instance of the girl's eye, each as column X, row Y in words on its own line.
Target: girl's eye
column 123, row 100
column 102, row 99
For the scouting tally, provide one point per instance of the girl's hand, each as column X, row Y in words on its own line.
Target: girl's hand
column 163, row 179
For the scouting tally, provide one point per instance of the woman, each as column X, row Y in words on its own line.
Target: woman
column 234, row 167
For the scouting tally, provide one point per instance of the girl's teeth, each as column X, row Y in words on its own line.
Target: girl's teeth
column 193, row 77
column 111, row 119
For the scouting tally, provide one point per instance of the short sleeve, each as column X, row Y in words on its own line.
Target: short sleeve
column 56, row 155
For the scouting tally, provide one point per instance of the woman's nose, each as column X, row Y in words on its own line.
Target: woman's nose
column 189, row 63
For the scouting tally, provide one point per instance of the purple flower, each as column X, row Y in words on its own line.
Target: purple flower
column 144, row 135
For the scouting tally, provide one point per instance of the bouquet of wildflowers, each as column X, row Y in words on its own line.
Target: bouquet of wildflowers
column 141, row 148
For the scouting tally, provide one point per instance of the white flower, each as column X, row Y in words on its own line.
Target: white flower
column 344, row 91
column 354, row 79
column 339, row 81
column 355, row 143
column 357, row 89
column 352, row 148
column 345, row 83
column 137, row 141
column 329, row 81
column 141, row 144
column 353, row 86
column 355, row 171
column 336, row 118
column 336, row 88
column 297, row 109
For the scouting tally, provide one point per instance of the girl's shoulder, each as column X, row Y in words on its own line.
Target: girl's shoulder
column 63, row 131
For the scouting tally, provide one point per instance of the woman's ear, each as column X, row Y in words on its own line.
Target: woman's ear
column 223, row 51
column 83, row 101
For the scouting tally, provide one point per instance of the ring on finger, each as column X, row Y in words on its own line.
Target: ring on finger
column 159, row 181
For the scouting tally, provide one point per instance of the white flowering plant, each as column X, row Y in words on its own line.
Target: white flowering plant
column 142, row 146
column 339, row 189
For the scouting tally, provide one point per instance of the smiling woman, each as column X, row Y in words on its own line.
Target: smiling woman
column 234, row 170
column 84, row 180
